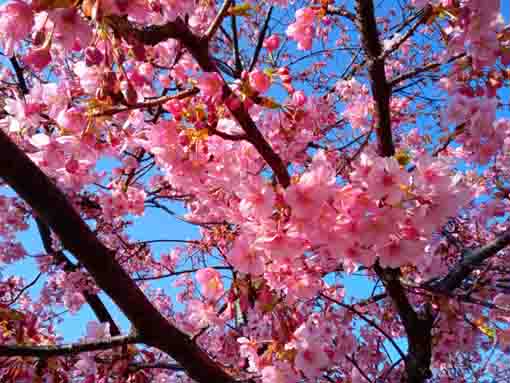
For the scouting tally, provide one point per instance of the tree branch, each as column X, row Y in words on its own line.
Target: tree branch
column 53, row 207
column 418, row 327
column 381, row 91
column 368, row 321
column 218, row 20
column 260, row 40
column 149, row 103
column 422, row 69
column 425, row 14
column 469, row 262
column 19, row 75
column 341, row 11
column 67, row 349
column 198, row 47
column 95, row 303
column 235, row 42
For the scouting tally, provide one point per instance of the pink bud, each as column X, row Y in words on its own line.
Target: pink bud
column 210, row 84
column 272, row 43
column 299, row 98
column 165, row 81
column 93, row 56
column 72, row 119
column 259, row 81
column 283, row 71
column 72, row 166
column 146, row 70
column 38, row 58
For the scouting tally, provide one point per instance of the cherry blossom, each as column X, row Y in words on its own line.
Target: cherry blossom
column 232, row 205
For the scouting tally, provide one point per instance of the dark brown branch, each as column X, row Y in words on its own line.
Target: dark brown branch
column 341, row 11
column 149, row 103
column 418, row 327
column 260, row 40
column 381, row 91
column 95, row 303
column 235, row 41
column 19, row 75
column 218, row 20
column 53, row 207
column 156, row 365
column 423, row 69
column 24, row 289
column 469, row 262
column 67, row 349
column 226, row 136
column 368, row 321
column 425, row 14
column 198, row 47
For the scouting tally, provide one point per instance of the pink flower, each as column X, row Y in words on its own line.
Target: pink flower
column 200, row 314
column 38, row 58
column 72, row 120
column 245, row 259
column 387, row 180
column 210, row 84
column 90, row 77
column 299, row 98
column 257, row 198
column 163, row 378
column 399, row 252
column 304, row 286
column 93, row 56
column 303, row 29
column 248, row 350
column 311, row 359
column 313, row 189
column 272, row 43
column 16, row 21
column 73, row 300
column 71, row 30
column 211, row 283
column 259, row 81
column 279, row 372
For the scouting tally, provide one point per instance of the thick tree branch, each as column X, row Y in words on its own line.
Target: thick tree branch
column 381, row 91
column 95, row 303
column 198, row 47
column 418, row 327
column 469, row 262
column 67, row 349
column 52, row 206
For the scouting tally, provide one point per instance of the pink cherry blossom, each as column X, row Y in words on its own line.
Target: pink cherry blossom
column 259, row 81
column 302, row 30
column 211, row 84
column 16, row 21
column 272, row 43
column 211, row 283
column 245, row 259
